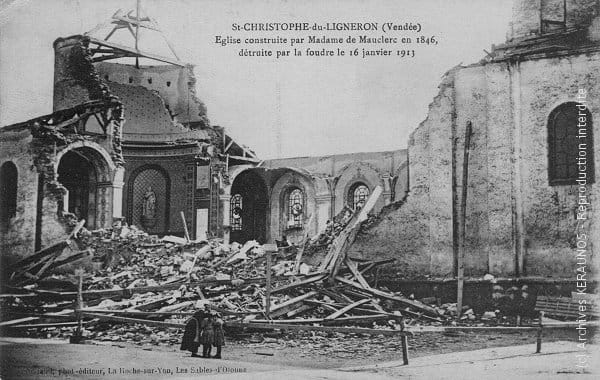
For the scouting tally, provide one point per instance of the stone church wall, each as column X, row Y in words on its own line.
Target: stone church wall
column 512, row 211
column 419, row 234
column 19, row 238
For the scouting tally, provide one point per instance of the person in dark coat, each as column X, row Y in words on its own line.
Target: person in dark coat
column 192, row 333
column 527, row 306
column 219, row 335
column 207, row 335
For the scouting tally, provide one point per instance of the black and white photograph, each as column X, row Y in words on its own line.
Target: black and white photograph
column 316, row 189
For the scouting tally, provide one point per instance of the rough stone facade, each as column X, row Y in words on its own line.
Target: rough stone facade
column 517, row 222
column 38, row 149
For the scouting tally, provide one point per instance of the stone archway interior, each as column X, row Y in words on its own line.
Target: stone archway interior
column 78, row 174
column 254, row 200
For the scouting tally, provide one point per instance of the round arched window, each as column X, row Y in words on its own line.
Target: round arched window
column 295, row 208
column 236, row 212
column 358, row 195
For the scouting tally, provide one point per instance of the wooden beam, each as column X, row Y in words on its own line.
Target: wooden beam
column 348, row 234
column 463, row 221
column 346, row 309
column 346, row 330
column 248, row 159
column 294, row 301
column 324, row 321
column 269, row 248
column 88, row 294
column 353, row 268
column 137, row 53
column 404, row 301
column 185, row 228
column 104, row 317
column 307, row 281
column 47, row 325
column 17, row 321
column 136, row 313
column 141, row 24
column 228, row 146
column 109, row 57
column 299, row 311
column 337, row 295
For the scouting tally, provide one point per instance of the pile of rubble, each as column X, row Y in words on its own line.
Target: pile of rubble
column 131, row 277
column 140, row 288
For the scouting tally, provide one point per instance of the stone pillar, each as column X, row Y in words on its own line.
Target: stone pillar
column 324, row 209
column 225, row 212
column 388, row 190
column 103, row 206
column 117, row 196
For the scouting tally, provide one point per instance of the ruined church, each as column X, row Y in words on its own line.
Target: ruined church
column 132, row 143
column 495, row 161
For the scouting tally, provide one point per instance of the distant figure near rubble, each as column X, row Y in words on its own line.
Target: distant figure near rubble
column 219, row 335
column 192, row 333
column 207, row 334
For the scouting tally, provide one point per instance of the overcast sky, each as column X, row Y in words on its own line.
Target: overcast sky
column 324, row 105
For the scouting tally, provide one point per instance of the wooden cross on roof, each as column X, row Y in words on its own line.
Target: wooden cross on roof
column 131, row 21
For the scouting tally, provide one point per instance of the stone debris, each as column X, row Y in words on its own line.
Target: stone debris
column 139, row 288
column 135, row 275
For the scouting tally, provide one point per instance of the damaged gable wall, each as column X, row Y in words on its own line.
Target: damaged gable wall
column 419, row 234
column 75, row 80
column 43, row 214
column 517, row 223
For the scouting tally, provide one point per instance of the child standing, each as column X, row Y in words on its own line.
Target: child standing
column 219, row 336
column 207, row 336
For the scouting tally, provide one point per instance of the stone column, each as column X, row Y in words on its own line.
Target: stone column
column 225, row 212
column 104, row 203
column 117, row 194
column 324, row 210
column 388, row 190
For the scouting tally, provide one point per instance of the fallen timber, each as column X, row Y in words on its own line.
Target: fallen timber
column 127, row 292
column 255, row 325
column 166, row 282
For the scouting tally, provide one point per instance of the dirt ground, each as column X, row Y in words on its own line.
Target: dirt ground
column 306, row 356
column 310, row 350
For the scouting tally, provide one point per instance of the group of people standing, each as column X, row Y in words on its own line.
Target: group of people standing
column 204, row 328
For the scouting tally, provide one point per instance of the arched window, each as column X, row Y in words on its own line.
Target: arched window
column 295, row 208
column 570, row 145
column 8, row 193
column 358, row 195
column 236, row 213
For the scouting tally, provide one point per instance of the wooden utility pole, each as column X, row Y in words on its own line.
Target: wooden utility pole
column 269, row 249
column 78, row 336
column 462, row 221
